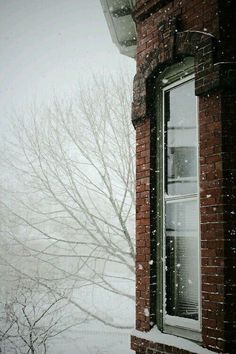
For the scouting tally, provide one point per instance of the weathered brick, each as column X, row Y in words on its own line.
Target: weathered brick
column 200, row 32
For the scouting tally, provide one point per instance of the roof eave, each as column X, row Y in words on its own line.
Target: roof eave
column 117, row 19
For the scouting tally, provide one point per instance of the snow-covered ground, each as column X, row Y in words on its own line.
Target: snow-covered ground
column 93, row 339
column 91, row 336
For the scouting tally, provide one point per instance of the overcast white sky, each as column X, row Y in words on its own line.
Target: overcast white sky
column 47, row 45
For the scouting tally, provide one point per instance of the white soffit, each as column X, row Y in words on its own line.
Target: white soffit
column 118, row 14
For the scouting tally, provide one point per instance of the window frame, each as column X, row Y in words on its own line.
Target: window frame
column 172, row 77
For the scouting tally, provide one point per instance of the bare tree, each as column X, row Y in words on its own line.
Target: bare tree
column 30, row 318
column 73, row 206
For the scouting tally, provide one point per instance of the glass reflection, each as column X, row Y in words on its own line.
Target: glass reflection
column 182, row 259
column 181, row 139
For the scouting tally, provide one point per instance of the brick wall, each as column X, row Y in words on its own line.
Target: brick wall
column 168, row 31
column 143, row 244
column 217, row 197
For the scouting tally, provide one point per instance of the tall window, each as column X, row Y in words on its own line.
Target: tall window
column 180, row 205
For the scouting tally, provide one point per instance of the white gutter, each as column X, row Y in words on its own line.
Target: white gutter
column 118, row 14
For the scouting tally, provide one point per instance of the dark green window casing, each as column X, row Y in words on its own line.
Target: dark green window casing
column 177, row 193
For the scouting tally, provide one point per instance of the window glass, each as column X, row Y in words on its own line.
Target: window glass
column 181, row 139
column 182, row 259
column 181, row 236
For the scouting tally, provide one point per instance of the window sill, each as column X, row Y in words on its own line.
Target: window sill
column 187, row 333
column 156, row 336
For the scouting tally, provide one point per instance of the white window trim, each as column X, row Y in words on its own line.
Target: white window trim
column 185, row 327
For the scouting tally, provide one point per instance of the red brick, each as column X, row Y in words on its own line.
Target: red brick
column 217, row 111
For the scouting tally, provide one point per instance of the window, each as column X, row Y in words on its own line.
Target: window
column 178, row 204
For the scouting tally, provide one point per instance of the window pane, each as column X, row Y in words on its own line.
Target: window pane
column 181, row 139
column 182, row 265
